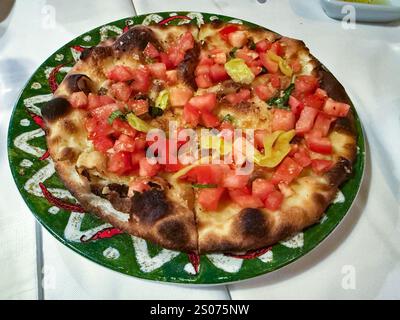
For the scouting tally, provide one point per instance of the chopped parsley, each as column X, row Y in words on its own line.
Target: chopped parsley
column 232, row 53
column 205, row 186
column 281, row 102
column 114, row 115
column 228, row 118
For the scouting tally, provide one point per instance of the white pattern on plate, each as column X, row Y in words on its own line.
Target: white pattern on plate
column 111, row 253
column 25, row 123
column 53, row 210
column 26, row 163
column 297, row 241
column 226, row 263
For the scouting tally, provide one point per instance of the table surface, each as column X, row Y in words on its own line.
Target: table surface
column 360, row 260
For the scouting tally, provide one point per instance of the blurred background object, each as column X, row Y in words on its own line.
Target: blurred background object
column 6, row 7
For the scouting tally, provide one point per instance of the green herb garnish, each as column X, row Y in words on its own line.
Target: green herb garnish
column 155, row 112
column 232, row 53
column 228, row 118
column 114, row 115
column 205, row 186
column 281, row 102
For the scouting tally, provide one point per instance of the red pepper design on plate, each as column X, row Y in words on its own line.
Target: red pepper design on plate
column 103, row 234
column 167, row 20
column 194, row 259
column 52, row 78
column 58, row 202
column 250, row 254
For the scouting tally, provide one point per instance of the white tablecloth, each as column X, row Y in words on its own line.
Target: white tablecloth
column 366, row 60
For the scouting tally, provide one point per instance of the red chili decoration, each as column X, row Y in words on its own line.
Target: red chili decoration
column 60, row 203
column 167, row 20
column 38, row 120
column 78, row 48
column 52, row 78
column 194, row 259
column 103, row 234
column 45, row 155
column 250, row 254
column 126, row 28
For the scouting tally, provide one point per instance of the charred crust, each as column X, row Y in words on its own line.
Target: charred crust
column 150, row 206
column 345, row 125
column 55, row 109
column 340, row 172
column 121, row 189
column 174, row 231
column 69, row 126
column 78, row 82
column 186, row 69
column 136, row 38
column 68, row 154
column 97, row 53
column 332, row 86
column 252, row 223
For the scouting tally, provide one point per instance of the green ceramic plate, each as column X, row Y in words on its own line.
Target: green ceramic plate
column 123, row 253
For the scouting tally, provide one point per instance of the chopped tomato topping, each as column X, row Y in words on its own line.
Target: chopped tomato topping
column 205, row 102
column 287, row 171
column 204, row 81
column 165, row 59
column 120, row 163
column 306, row 84
column 314, row 101
column 275, row 81
column 206, row 174
column 306, row 120
column 237, row 39
column 259, row 137
column 302, row 158
column 320, row 166
column 209, row 120
column 124, row 143
column 120, row 73
column 218, row 73
column 323, row 123
column 78, row 100
column 241, row 96
column 141, row 80
column 263, row 46
column 95, row 101
column 218, row 56
column 232, row 180
column 337, row 109
column 179, row 96
column 186, row 42
column 224, row 33
column 103, row 113
column 296, row 65
column 172, row 77
column 122, row 127
column 103, row 143
column 158, row 70
column 121, row 91
column 245, row 199
column 277, row 48
column 261, row 188
column 151, row 51
column 283, row 120
column 191, row 115
column 296, row 106
column 273, row 201
column 147, row 169
column 209, row 198
column 270, row 65
column 319, row 144
column 138, row 107
column 264, row 92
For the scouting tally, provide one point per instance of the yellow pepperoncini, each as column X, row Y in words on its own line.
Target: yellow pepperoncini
column 216, row 143
column 283, row 66
column 162, row 100
column 239, row 71
column 137, row 123
column 276, row 148
column 185, row 170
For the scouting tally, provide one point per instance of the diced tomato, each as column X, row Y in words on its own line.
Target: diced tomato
column 209, row 198
column 158, row 70
column 323, row 123
column 319, row 144
column 191, row 115
column 141, row 79
column 178, row 96
column 151, row 51
column 103, row 113
column 140, row 141
column 259, row 137
column 247, row 55
column 275, row 81
column 146, row 169
column 137, row 156
column 306, row 120
column 244, row 199
column 103, row 143
column 172, row 77
column 138, row 107
column 270, row 65
column 296, row 106
column 95, row 101
column 165, row 59
column 206, row 61
column 314, row 101
column 287, row 171
column 219, row 57
column 277, row 48
column 256, row 70
column 78, row 100
column 202, row 69
column 237, row 39
column 120, row 73
column 123, row 127
column 138, row 186
column 232, row 180
column 261, row 188
column 264, row 92
column 218, row 73
column 302, row 158
column 186, row 42
column 273, row 201
column 98, row 128
column 263, row 46
column 121, row 91
column 120, row 163
column 175, row 55
column 124, row 143
column 241, row 96
column 337, row 109
column 322, row 94
column 204, row 81
column 171, row 167
column 283, row 120
column 205, row 102
column 209, row 120
column 320, row 166
column 224, row 33
column 306, row 84
column 296, row 65
column 206, row 174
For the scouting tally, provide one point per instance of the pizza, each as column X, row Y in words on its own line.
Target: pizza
column 218, row 138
